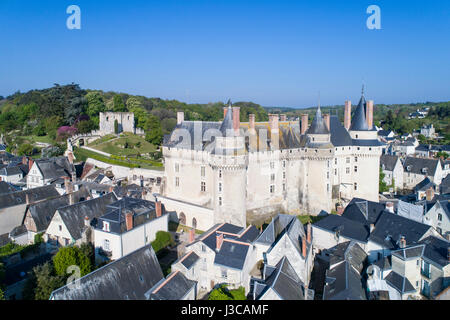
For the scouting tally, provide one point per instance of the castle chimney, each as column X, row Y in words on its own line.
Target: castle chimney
column 129, row 220
column 70, row 157
column 348, row 114
column 67, row 185
column 283, row 118
column 390, row 207
column 273, row 123
column 308, row 232
column 219, row 241
column 180, row 117
column 402, row 242
column 71, row 199
column 369, row 114
column 304, row 124
column 326, row 118
column 158, row 209
column 191, row 235
column 236, row 118
column 430, row 194
column 304, row 247
column 225, row 109
column 27, row 198
column 251, row 122
column 24, row 160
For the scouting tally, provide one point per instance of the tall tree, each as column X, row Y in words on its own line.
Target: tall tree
column 119, row 105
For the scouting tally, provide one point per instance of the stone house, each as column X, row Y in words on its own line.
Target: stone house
column 128, row 225
column 417, row 169
column 11, row 174
column 393, row 170
column 437, row 215
column 45, row 171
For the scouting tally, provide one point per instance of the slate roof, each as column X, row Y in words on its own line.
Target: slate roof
column 348, row 251
column 142, row 210
column 388, row 162
column 74, row 216
column 384, row 263
column 127, row 278
column 410, row 211
column 275, row 228
column 411, row 252
column 10, row 171
column 363, row 211
column 436, row 250
column 424, row 185
column 384, row 133
column 343, row 282
column 19, row 197
column 445, row 185
column 188, row 260
column 284, row 281
column 6, row 188
column 55, row 168
column 227, row 124
column 416, row 165
column 43, row 212
column 345, row 227
column 390, row 227
column 318, row 125
column 232, row 255
column 175, row 287
column 359, row 117
column 400, row 283
column 339, row 135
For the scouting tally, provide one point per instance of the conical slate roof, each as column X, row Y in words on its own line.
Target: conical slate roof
column 318, row 125
column 359, row 118
column 227, row 124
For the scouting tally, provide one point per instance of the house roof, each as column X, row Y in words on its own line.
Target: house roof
column 411, row 252
column 388, row 162
column 189, row 259
column 232, row 254
column 343, row 282
column 232, row 232
column 390, row 227
column 339, row 135
column 436, row 250
column 445, row 185
column 74, row 216
column 127, row 278
column 10, row 171
column 19, row 197
column 175, row 287
column 348, row 251
column 363, row 211
column 6, row 188
column 424, row 185
column 345, row 227
column 416, row 165
column 283, row 279
column 42, row 212
column 400, row 283
column 55, row 168
column 359, row 116
column 318, row 125
column 275, row 228
column 410, row 211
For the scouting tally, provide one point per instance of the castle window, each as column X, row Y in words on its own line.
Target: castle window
column 203, row 186
column 356, row 169
column 347, row 170
column 328, row 175
column 356, row 159
column 284, row 175
column 284, row 163
column 335, row 161
column 220, row 201
column 272, row 165
column 356, row 186
column 203, row 171
column 220, row 173
column 440, row 217
column 177, row 167
column 177, row 182
column 284, row 186
column 356, row 136
column 328, row 188
column 348, row 159
column 272, row 177
column 335, row 172
column 220, row 187
column 272, row 188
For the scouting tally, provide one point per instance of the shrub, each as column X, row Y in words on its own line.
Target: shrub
column 222, row 293
column 163, row 239
column 71, row 256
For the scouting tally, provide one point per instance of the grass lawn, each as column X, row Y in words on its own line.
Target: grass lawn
column 309, row 219
column 134, row 145
column 176, row 227
column 43, row 139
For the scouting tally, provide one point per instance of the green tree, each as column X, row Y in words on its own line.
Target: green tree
column 85, row 126
column 95, row 104
column 382, row 184
column 119, row 106
column 222, row 293
column 25, row 149
column 162, row 240
column 42, row 281
column 39, row 130
column 71, row 256
column 422, row 138
column 153, row 130
column 116, row 126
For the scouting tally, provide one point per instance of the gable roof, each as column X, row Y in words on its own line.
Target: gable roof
column 424, row 185
column 10, row 171
column 436, row 250
column 348, row 251
column 344, row 227
column 188, row 260
column 6, row 188
column 363, row 211
column 400, row 283
column 74, row 216
column 390, row 227
column 416, row 165
column 232, row 254
column 343, row 282
column 19, row 197
column 339, row 135
column 127, row 278
column 55, row 168
column 388, row 162
column 175, row 287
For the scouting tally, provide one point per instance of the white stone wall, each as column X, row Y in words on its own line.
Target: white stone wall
column 124, row 119
column 57, row 230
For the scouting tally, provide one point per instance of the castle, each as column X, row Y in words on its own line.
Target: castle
column 125, row 121
column 243, row 173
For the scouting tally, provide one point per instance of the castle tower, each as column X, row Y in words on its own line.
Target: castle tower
column 229, row 163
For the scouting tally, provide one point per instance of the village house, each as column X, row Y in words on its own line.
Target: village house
column 286, row 236
column 11, row 174
column 393, row 171
column 437, row 215
column 426, row 189
column 128, row 278
column 417, row 169
column 174, row 287
column 226, row 255
column 127, row 225
column 45, row 171
column 73, row 224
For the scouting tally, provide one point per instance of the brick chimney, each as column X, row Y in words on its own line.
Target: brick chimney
column 308, row 232
column 70, row 157
column 304, row 247
column 369, row 114
column 30, row 164
column 87, row 222
column 180, row 117
column 158, row 209
column 24, row 160
column 390, row 207
column 236, row 118
column 219, row 241
column 67, row 185
column 191, row 235
column 283, row 118
column 430, row 194
column 326, row 118
column 347, row 114
column 111, row 189
column 225, row 109
column 71, row 198
column 129, row 220
column 304, row 124
column 273, row 123
column 251, row 122
column 27, row 198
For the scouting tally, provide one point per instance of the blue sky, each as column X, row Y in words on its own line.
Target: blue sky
column 275, row 53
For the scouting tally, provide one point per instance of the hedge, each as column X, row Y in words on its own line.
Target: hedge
column 163, row 239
